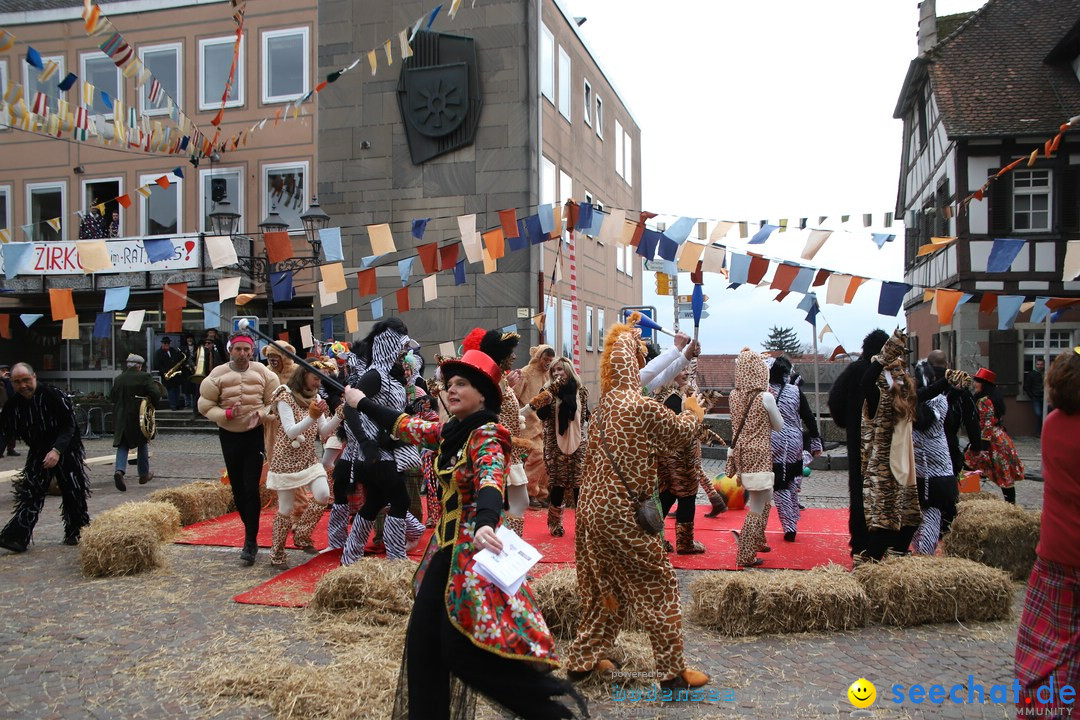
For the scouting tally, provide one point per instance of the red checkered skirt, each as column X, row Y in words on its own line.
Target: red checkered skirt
column 1048, row 644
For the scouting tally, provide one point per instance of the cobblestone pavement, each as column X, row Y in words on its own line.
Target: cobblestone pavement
column 131, row 647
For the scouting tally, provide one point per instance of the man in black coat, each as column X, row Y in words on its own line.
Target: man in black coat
column 44, row 418
column 164, row 360
column 128, row 391
column 846, row 406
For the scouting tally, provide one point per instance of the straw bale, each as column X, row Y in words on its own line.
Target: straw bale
column 556, row 597
column 162, row 516
column 914, row 590
column 633, row 654
column 196, row 501
column 382, row 589
column 782, row 601
column 998, row 534
column 981, row 496
column 117, row 547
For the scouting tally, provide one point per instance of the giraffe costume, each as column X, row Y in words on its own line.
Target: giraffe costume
column 621, row 569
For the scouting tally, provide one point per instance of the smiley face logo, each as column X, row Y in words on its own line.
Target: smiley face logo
column 862, row 693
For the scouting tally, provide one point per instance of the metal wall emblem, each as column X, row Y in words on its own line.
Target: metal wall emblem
column 439, row 95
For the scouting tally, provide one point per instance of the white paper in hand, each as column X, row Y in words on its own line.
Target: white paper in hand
column 509, row 568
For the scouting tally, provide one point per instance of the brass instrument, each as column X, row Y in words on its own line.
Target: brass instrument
column 202, row 366
column 147, row 417
column 175, row 369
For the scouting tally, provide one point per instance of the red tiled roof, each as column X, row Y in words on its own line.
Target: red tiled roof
column 991, row 76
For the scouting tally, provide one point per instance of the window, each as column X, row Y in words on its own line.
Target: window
column 586, row 103
column 164, row 62
column 99, row 70
column 547, row 63
column 1031, row 200
column 566, row 192
column 599, row 118
column 95, row 192
column 1034, row 345
column 217, row 185
column 283, row 188
column 599, row 328
column 567, row 323
column 5, row 213
column 50, row 87
column 285, row 64
column 548, row 192
column 631, row 258
column 588, row 328
column 618, row 149
column 3, row 89
column 564, row 83
column 620, row 258
column 160, row 212
column 216, row 56
column 628, row 159
column 45, row 201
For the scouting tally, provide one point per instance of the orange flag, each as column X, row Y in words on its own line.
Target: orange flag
column 448, row 256
column 838, row 351
column 61, row 303
column 366, row 283
column 174, row 320
column 988, row 303
column 283, row 336
column 785, row 275
column 124, row 200
column 852, row 288
column 163, row 181
column 495, row 243
column 947, row 300
column 175, row 298
column 821, row 277
column 278, row 246
column 403, row 300
column 429, row 257
column 509, row 223
column 5, row 326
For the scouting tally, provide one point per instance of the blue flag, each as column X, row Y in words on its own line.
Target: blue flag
column 584, row 216
column 211, row 315
column 107, row 100
column 521, row 241
column 1038, row 313
column 763, row 234
column 376, row 308
column 680, row 230
column 102, row 325
column 404, row 267
column 29, row 319
column 159, row 249
column 116, row 298
column 533, row 230
column 547, row 218
column 1003, row 253
column 16, row 257
column 418, row 227
column 668, row 248
column 1008, row 308
column 281, row 286
column 881, row 238
column 328, row 327
column 331, row 244
column 459, row 273
column 33, row 57
column 802, row 281
column 647, row 246
column 68, row 81
column 738, row 268
column 892, row 298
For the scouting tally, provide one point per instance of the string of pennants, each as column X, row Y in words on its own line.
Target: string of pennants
column 514, row 234
column 139, row 131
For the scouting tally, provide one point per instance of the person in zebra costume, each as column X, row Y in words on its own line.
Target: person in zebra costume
column 787, row 444
column 42, row 417
column 376, row 460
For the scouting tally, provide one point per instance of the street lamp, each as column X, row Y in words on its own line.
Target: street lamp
column 315, row 219
column 273, row 222
column 224, row 220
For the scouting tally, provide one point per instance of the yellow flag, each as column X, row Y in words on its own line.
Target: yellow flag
column 54, row 223
column 389, row 53
column 373, row 61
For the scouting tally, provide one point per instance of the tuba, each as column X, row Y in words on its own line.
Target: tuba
column 175, row 369
column 147, row 417
column 202, row 366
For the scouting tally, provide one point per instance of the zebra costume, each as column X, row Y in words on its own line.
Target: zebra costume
column 787, row 452
column 938, row 489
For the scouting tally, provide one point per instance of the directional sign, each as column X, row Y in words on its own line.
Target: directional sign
column 690, row 298
column 654, row 265
column 687, row 307
column 688, row 314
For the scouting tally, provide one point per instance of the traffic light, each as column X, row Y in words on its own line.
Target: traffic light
column 663, row 284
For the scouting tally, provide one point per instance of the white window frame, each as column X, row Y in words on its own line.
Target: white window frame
column 144, row 217
column 1032, row 191
column 264, row 175
column 589, row 328
column 631, row 255
column 549, row 178
column 29, row 189
column 3, row 89
column 547, row 64
column 599, row 124
column 119, row 179
column 98, row 55
column 599, row 328
column 620, row 259
column 5, row 200
column 144, row 92
column 238, row 81
column 586, row 103
column 28, row 94
column 618, row 148
column 566, row 334
column 1031, row 344
column 264, row 70
column 628, row 159
column 565, row 99
column 238, row 204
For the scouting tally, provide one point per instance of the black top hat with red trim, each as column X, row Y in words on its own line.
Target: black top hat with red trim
column 481, row 371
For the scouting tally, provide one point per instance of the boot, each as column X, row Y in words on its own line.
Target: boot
column 555, row 521
column 762, row 546
column 718, row 504
column 668, row 547
column 337, row 530
column 686, row 679
column 746, row 555
column 282, row 525
column 1009, row 493
column 118, row 480
column 394, row 537
column 515, row 523
column 685, row 544
column 143, row 479
column 305, row 525
column 414, row 531
column 358, row 537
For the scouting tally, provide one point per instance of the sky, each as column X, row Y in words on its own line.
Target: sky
column 765, row 110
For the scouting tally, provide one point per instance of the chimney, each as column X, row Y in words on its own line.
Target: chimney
column 927, row 25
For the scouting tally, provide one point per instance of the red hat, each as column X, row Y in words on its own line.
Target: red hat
column 986, row 375
column 482, row 371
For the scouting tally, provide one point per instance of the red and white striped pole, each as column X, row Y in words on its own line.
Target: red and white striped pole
column 575, row 310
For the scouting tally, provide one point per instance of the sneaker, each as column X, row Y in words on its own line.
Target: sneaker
column 12, row 545
column 118, row 479
column 247, row 555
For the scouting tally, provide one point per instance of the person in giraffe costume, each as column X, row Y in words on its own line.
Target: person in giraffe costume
column 622, row 569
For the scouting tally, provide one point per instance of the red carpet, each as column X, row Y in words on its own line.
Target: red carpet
column 822, row 539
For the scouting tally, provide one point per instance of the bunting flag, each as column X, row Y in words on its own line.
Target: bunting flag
column 352, row 320
column 738, row 268
column 1072, row 261
column 431, row 291
column 211, row 315
column 1002, row 254
column 853, row 287
column 174, row 296
column 837, row 352
column 1039, row 311
column 403, row 300
column 459, row 273
column 405, row 269
column 838, row 287
column 158, row 249
column 1008, row 308
column 333, row 276
column 418, row 228
column 61, row 303
column 221, row 250
column 134, row 321
column 935, row 244
column 429, row 257
column 116, row 298
column 93, row 256
column 69, row 329
column 494, row 243
column 381, row 238
column 947, row 302
column 366, row 282
column 448, row 256
column 891, row 298
column 281, row 286
column 763, row 234
column 824, row 330
column 783, row 278
column 758, row 267
column 988, row 303
column 228, row 288
column 377, row 308
column 29, row 319
column 17, row 255
column 278, row 246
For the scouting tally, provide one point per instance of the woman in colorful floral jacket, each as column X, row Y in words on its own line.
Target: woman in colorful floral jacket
column 466, row 635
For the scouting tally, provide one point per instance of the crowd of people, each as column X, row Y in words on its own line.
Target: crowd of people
column 486, row 442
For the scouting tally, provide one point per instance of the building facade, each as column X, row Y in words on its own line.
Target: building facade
column 188, row 46
column 987, row 89
column 549, row 126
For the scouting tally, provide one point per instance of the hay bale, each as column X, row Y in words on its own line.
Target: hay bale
column 998, row 534
column 557, row 599
column 196, row 501
column 914, row 590
column 380, row 589
column 784, row 601
column 981, row 496
column 117, row 547
column 162, row 516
